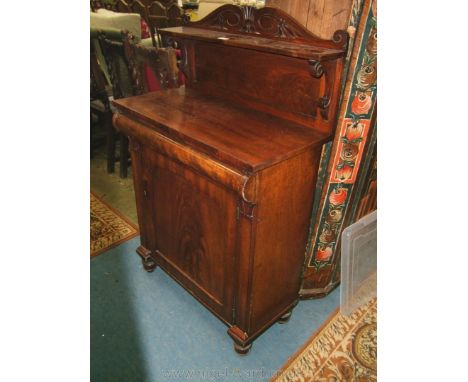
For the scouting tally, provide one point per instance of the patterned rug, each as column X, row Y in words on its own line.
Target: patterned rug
column 108, row 227
column 344, row 349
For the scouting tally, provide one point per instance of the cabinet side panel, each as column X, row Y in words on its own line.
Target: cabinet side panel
column 285, row 201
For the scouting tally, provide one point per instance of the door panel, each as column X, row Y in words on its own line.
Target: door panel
column 195, row 224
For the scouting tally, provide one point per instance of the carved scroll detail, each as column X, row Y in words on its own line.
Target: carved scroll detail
column 317, row 70
column 324, row 103
column 341, row 37
column 267, row 22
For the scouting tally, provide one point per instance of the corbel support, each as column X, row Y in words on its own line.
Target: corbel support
column 317, row 70
column 245, row 209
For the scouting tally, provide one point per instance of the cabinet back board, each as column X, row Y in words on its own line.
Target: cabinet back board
column 266, row 79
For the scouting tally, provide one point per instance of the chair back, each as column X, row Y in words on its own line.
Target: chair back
column 157, row 19
column 98, row 79
column 131, row 6
column 164, row 14
column 114, row 45
column 176, row 16
column 152, row 68
column 133, row 68
column 156, row 13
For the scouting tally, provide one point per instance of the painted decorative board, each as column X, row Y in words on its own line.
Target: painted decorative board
column 341, row 160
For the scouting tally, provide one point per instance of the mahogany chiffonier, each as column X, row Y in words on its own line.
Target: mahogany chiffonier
column 225, row 167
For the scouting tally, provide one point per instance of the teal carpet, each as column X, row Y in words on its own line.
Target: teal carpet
column 145, row 327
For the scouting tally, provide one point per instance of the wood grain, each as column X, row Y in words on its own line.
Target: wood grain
column 321, row 17
column 299, row 9
column 326, row 16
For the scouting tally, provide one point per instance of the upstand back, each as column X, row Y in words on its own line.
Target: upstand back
column 225, row 168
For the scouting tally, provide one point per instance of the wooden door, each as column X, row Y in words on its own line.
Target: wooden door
column 195, row 230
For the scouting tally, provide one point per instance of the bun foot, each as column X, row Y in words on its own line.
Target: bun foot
column 285, row 317
column 243, row 350
column 149, row 265
column 148, row 262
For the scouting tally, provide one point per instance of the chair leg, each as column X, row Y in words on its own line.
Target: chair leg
column 123, row 155
column 110, row 143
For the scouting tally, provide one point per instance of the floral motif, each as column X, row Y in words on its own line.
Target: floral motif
column 338, row 196
column 354, row 130
column 334, row 215
column 367, row 76
column 343, row 171
column 365, row 345
column 327, row 236
column 323, row 254
column 349, row 152
column 362, row 103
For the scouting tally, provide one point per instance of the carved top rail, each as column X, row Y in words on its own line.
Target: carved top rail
column 264, row 29
column 266, row 22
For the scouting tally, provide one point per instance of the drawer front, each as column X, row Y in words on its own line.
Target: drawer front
column 194, row 222
column 143, row 135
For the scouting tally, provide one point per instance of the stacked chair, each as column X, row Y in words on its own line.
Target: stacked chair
column 123, row 66
column 100, row 106
column 156, row 14
column 133, row 70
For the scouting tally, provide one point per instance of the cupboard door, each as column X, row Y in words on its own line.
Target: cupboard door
column 195, row 230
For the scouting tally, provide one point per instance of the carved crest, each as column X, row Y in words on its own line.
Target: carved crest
column 267, row 22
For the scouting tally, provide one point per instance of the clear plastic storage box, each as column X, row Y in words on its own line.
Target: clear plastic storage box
column 358, row 263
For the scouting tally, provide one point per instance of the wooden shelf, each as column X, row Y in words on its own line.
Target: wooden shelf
column 271, row 45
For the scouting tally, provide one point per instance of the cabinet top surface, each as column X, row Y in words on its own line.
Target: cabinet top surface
column 244, row 139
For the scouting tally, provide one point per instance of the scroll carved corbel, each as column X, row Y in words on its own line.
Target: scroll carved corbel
column 316, row 68
column 317, row 71
column 247, row 203
column 246, row 209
